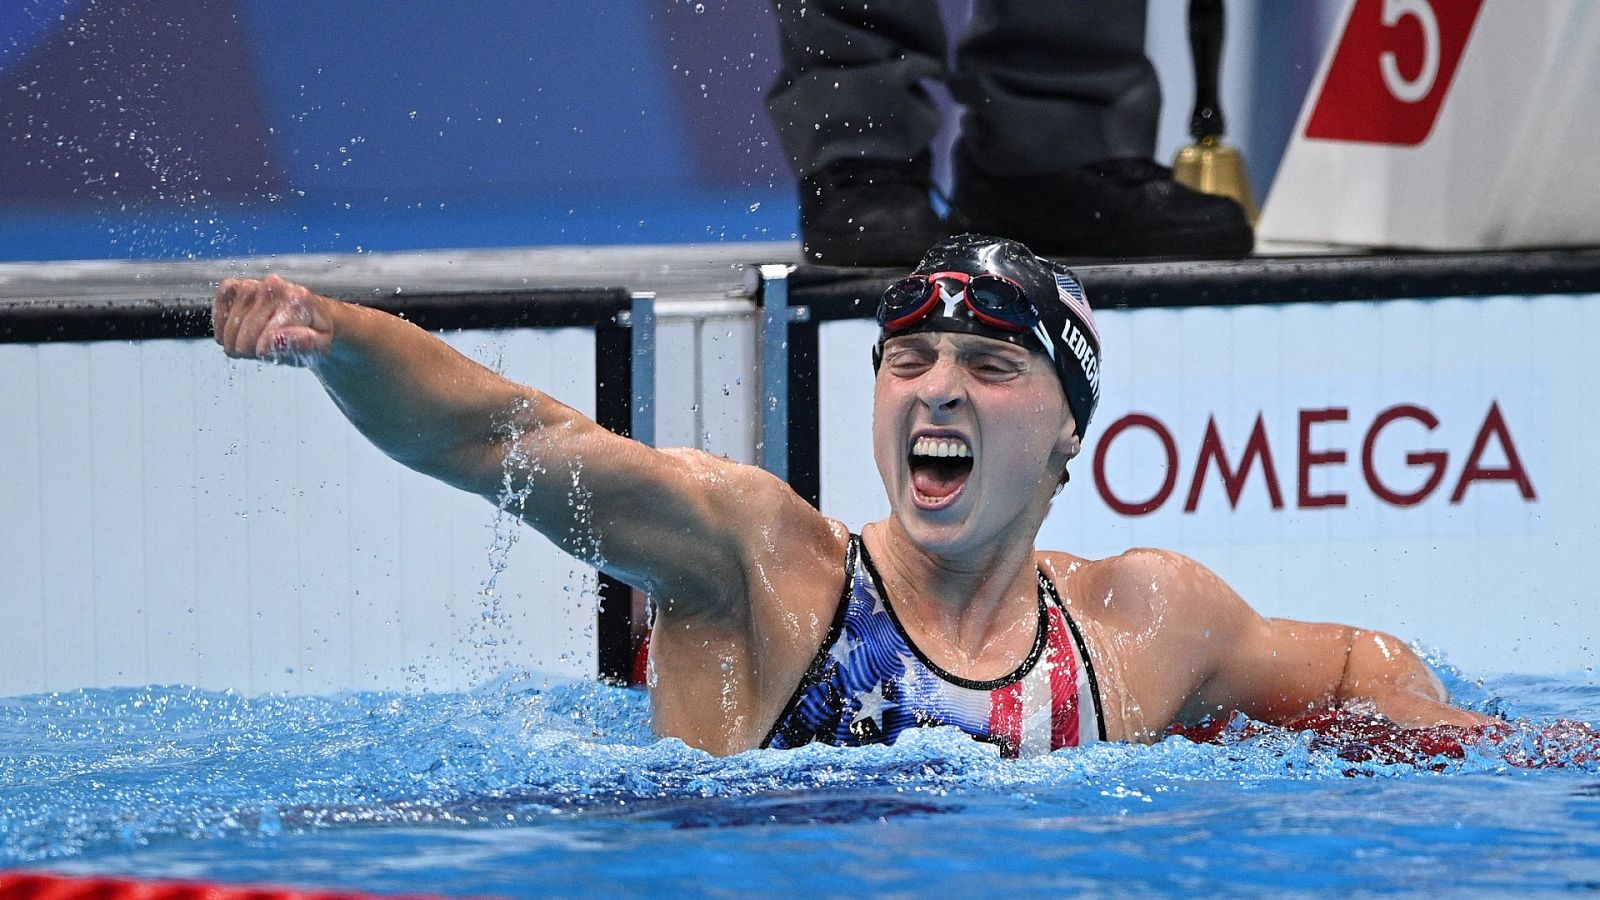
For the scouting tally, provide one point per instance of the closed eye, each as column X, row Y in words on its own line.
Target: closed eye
column 908, row 361
column 997, row 368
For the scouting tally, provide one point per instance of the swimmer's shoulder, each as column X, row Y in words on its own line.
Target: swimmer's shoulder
column 1121, row 586
column 764, row 514
column 1133, row 563
column 1152, row 592
column 1071, row 569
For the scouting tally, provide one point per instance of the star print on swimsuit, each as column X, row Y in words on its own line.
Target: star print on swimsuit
column 871, row 705
column 840, row 652
column 878, row 607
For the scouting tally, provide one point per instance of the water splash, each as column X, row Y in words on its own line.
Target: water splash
column 491, row 629
column 103, row 770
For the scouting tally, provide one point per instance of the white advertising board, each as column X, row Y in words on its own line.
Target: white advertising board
column 1418, row 466
column 1448, row 124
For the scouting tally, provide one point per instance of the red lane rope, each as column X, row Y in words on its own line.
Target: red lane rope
column 32, row 886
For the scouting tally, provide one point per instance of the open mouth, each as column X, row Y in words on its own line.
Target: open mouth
column 940, row 466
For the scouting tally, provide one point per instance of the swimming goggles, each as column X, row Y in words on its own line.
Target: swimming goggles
column 993, row 299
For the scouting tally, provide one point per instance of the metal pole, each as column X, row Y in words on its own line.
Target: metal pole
column 774, row 416
column 643, row 322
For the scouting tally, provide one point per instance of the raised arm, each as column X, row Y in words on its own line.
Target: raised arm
column 413, row 396
column 672, row 522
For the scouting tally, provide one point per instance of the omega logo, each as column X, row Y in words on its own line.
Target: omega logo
column 1258, row 456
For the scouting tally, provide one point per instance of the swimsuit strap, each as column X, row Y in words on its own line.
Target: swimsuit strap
column 819, row 663
column 1048, row 586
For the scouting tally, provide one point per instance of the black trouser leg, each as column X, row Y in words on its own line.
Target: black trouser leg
column 849, row 87
column 1056, row 84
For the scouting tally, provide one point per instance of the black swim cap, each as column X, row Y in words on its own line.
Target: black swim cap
column 1066, row 331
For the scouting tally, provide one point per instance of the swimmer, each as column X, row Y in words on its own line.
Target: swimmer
column 775, row 626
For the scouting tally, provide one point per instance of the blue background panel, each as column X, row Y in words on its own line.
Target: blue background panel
column 206, row 128
column 200, row 128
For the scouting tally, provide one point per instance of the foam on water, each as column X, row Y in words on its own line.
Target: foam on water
column 149, row 779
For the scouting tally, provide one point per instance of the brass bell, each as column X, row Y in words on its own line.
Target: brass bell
column 1208, row 165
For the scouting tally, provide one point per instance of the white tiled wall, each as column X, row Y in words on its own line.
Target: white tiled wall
column 170, row 516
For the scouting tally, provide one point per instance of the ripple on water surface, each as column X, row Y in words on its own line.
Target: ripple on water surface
column 519, row 787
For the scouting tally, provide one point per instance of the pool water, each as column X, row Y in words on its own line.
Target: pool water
column 524, row 787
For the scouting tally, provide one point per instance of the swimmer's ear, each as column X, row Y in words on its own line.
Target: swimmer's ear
column 1069, row 443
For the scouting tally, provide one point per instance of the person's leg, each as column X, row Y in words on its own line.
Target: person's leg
column 1055, row 84
column 1062, row 110
column 849, row 87
column 855, row 122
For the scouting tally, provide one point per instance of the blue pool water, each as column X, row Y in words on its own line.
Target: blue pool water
column 523, row 788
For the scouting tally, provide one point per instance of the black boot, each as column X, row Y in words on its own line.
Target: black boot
column 1124, row 208
column 869, row 212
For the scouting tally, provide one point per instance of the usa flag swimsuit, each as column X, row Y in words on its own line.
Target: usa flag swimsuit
column 869, row 682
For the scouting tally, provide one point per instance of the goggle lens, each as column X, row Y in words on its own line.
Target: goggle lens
column 907, row 302
column 993, row 299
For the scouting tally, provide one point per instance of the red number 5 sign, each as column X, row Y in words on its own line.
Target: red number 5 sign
column 1392, row 70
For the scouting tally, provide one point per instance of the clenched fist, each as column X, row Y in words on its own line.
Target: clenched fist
column 274, row 320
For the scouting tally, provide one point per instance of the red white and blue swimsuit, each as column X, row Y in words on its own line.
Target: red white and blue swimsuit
column 869, row 682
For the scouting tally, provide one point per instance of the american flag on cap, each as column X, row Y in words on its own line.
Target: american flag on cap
column 1071, row 293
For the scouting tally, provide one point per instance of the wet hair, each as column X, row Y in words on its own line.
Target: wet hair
column 1067, row 334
